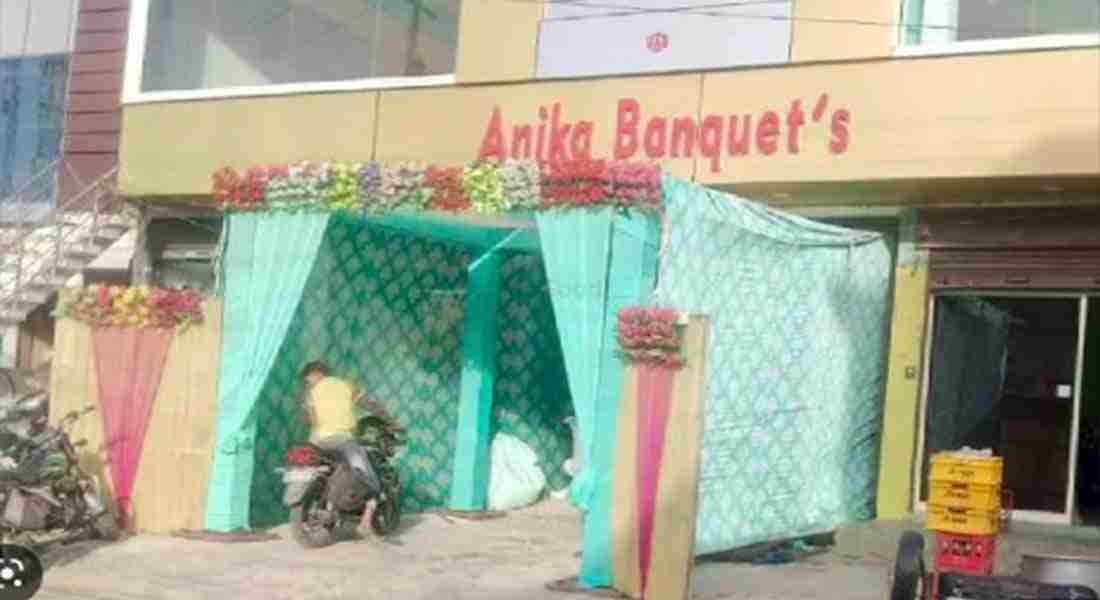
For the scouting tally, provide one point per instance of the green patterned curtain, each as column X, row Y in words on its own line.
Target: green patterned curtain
column 795, row 364
column 267, row 259
column 384, row 307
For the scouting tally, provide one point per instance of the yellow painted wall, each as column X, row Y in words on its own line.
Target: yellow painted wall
column 170, row 490
column 498, row 41
column 173, row 148
column 852, row 29
column 903, row 391
column 1004, row 115
column 979, row 116
column 447, row 125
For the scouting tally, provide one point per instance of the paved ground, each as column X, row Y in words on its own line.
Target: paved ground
column 504, row 559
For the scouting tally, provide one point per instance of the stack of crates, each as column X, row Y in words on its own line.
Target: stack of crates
column 964, row 509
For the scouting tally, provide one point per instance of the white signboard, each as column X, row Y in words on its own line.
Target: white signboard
column 610, row 37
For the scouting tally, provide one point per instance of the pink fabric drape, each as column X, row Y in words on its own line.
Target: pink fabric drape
column 129, row 363
column 654, row 397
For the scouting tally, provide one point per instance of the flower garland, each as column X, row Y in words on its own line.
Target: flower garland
column 481, row 186
column 650, row 335
column 130, row 307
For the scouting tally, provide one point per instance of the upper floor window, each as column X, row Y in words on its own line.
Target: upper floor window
column 32, row 109
column 226, row 45
column 1001, row 23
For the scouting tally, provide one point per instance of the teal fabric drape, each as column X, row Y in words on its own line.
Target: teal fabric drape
column 576, row 247
column 266, row 262
column 597, row 262
column 795, row 364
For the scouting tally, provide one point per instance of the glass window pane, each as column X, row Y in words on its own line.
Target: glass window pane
column 963, row 20
column 1061, row 16
column 210, row 44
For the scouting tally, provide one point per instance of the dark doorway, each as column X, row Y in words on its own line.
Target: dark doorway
column 1002, row 377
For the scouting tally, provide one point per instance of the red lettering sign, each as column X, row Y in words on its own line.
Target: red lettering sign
column 714, row 137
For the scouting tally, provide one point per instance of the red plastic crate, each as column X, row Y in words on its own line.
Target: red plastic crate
column 965, row 554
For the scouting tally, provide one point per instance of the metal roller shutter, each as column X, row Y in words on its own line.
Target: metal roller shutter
column 1053, row 249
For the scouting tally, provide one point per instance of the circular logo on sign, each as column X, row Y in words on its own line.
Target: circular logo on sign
column 657, row 42
column 20, row 573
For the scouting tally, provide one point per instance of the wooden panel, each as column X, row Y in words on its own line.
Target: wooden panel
column 93, row 122
column 91, row 142
column 95, row 82
column 673, row 554
column 100, row 42
column 98, row 62
column 105, row 102
column 1017, row 228
column 1015, row 269
column 100, row 5
column 115, row 20
column 170, row 491
column 86, row 168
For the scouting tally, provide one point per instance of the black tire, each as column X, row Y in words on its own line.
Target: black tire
column 387, row 516
column 306, row 534
column 909, row 568
column 105, row 527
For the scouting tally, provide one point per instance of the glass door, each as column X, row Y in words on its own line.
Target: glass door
column 1004, row 374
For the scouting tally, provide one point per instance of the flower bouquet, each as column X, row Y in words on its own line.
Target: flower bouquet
column 130, row 307
column 448, row 192
column 483, row 186
column 650, row 335
column 573, row 183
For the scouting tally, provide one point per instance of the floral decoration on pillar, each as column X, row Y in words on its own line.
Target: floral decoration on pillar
column 132, row 332
column 651, row 339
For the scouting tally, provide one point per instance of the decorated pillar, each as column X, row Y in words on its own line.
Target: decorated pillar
column 658, row 454
column 470, row 481
column 132, row 332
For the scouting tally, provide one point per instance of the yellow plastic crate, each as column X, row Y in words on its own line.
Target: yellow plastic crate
column 964, row 521
column 983, row 470
column 953, row 494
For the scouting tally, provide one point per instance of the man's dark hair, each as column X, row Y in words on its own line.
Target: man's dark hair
column 316, row 366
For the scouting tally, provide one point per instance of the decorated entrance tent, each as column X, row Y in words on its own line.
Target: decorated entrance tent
column 451, row 293
column 460, row 297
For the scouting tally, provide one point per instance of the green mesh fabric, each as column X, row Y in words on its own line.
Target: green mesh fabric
column 532, row 394
column 384, row 309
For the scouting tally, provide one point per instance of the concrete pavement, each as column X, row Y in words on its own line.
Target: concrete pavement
column 432, row 557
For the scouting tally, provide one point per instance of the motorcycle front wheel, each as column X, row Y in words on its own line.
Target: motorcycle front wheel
column 307, row 525
column 105, row 527
column 387, row 515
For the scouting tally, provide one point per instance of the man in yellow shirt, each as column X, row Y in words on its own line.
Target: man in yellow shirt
column 330, row 407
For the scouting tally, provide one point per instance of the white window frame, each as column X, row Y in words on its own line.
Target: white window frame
column 1017, row 44
column 135, row 61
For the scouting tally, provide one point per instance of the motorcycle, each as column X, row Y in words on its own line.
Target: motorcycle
column 326, row 498
column 44, row 493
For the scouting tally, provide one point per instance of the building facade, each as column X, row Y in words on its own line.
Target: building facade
column 61, row 67
column 968, row 132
